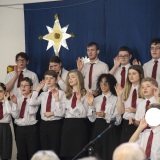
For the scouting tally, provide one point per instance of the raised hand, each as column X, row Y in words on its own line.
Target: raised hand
column 119, row 89
column 136, row 62
column 6, row 96
column 80, row 64
column 116, row 62
column 90, row 98
column 143, row 124
column 40, row 86
column 13, row 98
column 55, row 93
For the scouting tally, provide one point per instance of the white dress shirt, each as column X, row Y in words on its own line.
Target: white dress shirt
column 29, row 113
column 141, row 108
column 148, row 67
column 155, row 148
column 6, row 112
column 98, row 68
column 57, row 107
column 110, row 108
column 26, row 73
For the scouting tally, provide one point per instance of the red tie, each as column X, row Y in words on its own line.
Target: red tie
column 103, row 104
column 48, row 106
column 1, row 110
column 19, row 79
column 74, row 100
column 90, row 76
column 134, row 98
column 154, row 71
column 149, row 145
column 123, row 77
column 147, row 104
column 23, row 108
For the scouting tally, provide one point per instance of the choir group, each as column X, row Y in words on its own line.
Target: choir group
column 76, row 106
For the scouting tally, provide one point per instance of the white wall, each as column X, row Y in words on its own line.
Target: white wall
column 11, row 37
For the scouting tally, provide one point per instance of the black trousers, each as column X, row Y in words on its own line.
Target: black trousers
column 50, row 135
column 27, row 141
column 5, row 141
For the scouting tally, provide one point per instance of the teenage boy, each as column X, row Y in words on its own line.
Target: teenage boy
column 25, row 119
column 152, row 67
column 52, row 111
column 121, row 65
column 148, row 139
column 93, row 69
column 149, row 87
column 14, row 78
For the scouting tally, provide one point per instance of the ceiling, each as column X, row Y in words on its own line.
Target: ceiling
column 20, row 2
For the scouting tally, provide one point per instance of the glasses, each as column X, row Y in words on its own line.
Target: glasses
column 155, row 48
column 27, row 85
column 104, row 83
column 21, row 60
column 125, row 56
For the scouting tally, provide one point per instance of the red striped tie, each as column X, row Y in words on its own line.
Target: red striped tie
column 149, row 145
column 90, row 76
column 23, row 108
column 103, row 104
column 74, row 100
column 1, row 110
column 154, row 71
column 134, row 98
column 123, row 77
column 19, row 79
column 48, row 105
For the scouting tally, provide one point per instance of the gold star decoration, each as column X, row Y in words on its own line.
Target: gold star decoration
column 57, row 36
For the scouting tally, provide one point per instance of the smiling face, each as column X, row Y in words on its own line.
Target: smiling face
column 25, row 88
column 155, row 51
column 133, row 76
column 104, row 86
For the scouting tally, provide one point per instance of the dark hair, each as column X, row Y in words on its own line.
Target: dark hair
column 23, row 55
column 125, row 48
column 3, row 86
column 27, row 79
column 51, row 73
column 93, row 44
column 155, row 41
column 55, row 59
column 110, row 79
column 154, row 105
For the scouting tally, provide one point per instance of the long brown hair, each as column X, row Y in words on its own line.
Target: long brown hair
column 128, row 84
column 80, row 84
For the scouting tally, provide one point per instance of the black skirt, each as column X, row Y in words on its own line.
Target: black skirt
column 75, row 135
column 105, row 145
column 127, row 131
column 5, row 141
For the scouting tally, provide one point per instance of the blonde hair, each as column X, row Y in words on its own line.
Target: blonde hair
column 151, row 80
column 128, row 84
column 80, row 84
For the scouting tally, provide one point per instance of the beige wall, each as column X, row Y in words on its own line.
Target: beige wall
column 11, row 36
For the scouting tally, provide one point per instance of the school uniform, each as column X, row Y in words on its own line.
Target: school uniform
column 148, row 67
column 61, row 83
column 98, row 68
column 50, row 127
column 141, row 108
column 118, row 71
column 26, row 131
column 155, row 147
column 129, row 129
column 5, row 131
column 75, row 134
column 104, row 146
column 26, row 73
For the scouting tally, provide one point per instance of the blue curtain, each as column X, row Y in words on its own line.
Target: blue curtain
column 111, row 23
